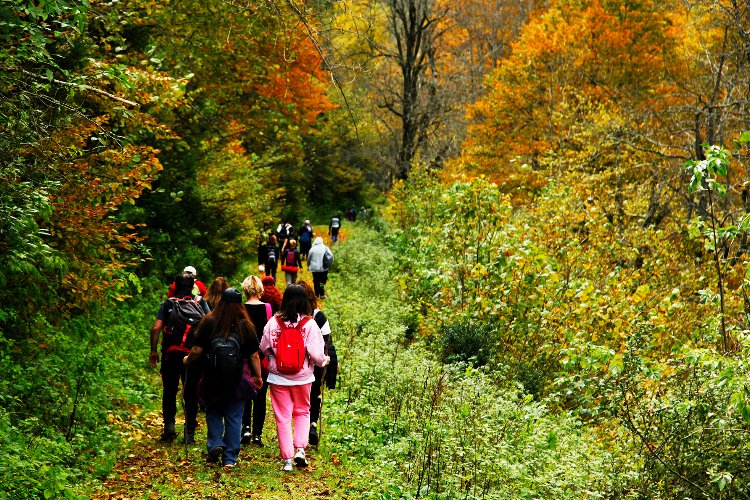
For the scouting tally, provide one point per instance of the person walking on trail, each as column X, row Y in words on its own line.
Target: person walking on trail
column 286, row 234
column 290, row 391
column 269, row 255
column 259, row 312
column 215, row 290
column 226, row 336
column 291, row 262
column 315, row 388
column 271, row 294
column 306, row 236
column 319, row 262
column 333, row 228
column 175, row 322
column 199, row 288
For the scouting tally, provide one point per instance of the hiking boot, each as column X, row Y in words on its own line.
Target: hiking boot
column 287, row 465
column 257, row 441
column 246, row 435
column 169, row 434
column 313, row 438
column 230, row 465
column 214, row 455
column 189, row 437
column 299, row 458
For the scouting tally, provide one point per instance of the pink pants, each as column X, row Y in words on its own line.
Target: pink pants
column 287, row 402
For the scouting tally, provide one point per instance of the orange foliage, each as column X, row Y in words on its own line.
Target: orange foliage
column 576, row 61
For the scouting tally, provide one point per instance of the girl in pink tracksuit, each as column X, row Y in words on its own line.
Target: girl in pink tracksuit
column 290, row 394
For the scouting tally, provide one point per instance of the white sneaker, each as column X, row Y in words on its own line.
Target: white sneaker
column 287, row 466
column 299, row 458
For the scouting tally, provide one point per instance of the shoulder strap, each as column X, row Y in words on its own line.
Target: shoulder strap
column 302, row 322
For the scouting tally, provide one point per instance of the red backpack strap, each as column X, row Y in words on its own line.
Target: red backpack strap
column 302, row 322
column 280, row 322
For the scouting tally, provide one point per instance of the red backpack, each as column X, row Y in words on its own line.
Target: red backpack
column 290, row 349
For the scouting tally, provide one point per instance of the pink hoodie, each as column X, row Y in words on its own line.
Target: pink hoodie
column 313, row 344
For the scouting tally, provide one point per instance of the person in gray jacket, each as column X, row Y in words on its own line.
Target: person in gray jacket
column 319, row 262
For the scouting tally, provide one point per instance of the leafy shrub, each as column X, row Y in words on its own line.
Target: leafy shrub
column 468, row 341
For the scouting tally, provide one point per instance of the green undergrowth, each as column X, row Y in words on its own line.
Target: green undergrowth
column 435, row 430
column 58, row 407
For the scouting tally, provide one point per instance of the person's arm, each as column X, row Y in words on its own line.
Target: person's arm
column 254, row 363
column 298, row 258
column 153, row 358
column 195, row 353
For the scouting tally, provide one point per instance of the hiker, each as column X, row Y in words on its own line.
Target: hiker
column 217, row 287
column 259, row 312
column 315, row 392
column 333, row 228
column 199, row 288
column 290, row 391
column 319, row 262
column 285, row 233
column 268, row 256
column 306, row 236
column 291, row 262
column 177, row 337
column 226, row 336
column 271, row 294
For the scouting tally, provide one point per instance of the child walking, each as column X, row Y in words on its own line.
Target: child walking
column 290, row 393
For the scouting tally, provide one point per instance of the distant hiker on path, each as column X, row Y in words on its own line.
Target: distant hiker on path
column 269, row 255
column 227, row 338
column 333, row 228
column 175, row 320
column 290, row 389
column 306, row 236
column 291, row 262
column 319, row 262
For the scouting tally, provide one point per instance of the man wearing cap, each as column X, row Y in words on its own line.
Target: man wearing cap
column 176, row 342
column 199, row 288
column 305, row 239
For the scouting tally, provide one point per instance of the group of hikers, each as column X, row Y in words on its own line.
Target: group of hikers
column 290, row 248
column 230, row 350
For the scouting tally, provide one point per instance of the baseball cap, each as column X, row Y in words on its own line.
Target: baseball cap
column 190, row 269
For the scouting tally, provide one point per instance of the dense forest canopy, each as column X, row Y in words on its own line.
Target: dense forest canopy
column 560, row 184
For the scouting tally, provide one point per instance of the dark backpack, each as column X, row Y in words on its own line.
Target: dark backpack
column 290, row 349
column 305, row 236
column 272, row 255
column 290, row 258
column 327, row 260
column 186, row 312
column 225, row 362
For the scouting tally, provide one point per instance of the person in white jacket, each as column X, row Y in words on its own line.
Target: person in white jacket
column 319, row 261
column 290, row 393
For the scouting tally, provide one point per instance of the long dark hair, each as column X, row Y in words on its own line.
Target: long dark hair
column 213, row 295
column 294, row 302
column 226, row 315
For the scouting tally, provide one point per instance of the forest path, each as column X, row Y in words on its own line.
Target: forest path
column 151, row 469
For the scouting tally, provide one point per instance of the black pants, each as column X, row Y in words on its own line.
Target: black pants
column 255, row 411
column 304, row 249
column 172, row 372
column 319, row 280
column 315, row 401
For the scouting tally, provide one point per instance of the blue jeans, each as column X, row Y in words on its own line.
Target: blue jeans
column 224, row 419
